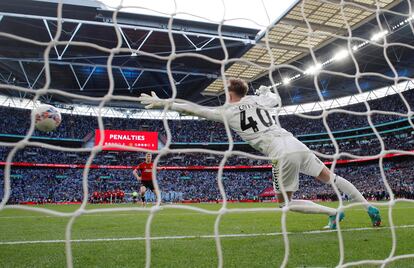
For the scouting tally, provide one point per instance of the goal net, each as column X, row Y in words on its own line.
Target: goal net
column 318, row 43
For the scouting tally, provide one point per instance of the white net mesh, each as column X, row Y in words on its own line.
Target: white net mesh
column 320, row 18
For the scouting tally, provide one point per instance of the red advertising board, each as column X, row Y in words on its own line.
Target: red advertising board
column 137, row 139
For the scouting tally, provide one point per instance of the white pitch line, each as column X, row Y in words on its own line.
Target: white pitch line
column 115, row 239
column 135, row 213
column 102, row 214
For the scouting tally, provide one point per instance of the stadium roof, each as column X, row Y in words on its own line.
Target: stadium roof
column 254, row 14
column 141, row 66
column 290, row 38
column 82, row 70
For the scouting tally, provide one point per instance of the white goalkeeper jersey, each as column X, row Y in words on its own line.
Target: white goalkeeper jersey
column 253, row 118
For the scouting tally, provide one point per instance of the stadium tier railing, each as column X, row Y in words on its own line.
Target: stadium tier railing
column 94, row 166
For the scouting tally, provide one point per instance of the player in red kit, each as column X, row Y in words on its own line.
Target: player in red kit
column 145, row 177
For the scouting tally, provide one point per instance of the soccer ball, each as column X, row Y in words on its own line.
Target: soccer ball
column 47, row 118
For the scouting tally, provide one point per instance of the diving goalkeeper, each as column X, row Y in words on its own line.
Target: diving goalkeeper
column 249, row 117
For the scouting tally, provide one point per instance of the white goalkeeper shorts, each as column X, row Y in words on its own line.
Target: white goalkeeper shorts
column 292, row 157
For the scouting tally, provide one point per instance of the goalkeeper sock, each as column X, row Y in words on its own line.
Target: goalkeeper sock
column 310, row 207
column 349, row 189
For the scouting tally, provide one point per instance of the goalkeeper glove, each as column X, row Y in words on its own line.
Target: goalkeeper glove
column 262, row 90
column 151, row 101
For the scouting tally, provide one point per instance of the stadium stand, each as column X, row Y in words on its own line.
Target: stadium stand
column 15, row 121
column 64, row 185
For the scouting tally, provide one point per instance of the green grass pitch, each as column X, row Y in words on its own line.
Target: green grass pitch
column 186, row 238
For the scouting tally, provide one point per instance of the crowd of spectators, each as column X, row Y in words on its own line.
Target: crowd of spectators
column 340, row 120
column 16, row 121
column 359, row 147
column 124, row 158
column 368, row 179
column 65, row 185
column 60, row 185
column 367, row 146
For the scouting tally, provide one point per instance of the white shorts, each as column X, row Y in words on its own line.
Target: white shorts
column 291, row 158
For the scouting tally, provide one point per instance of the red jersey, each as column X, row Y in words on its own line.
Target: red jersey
column 146, row 171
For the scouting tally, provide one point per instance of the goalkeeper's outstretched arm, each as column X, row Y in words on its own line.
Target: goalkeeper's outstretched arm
column 198, row 110
column 153, row 101
column 265, row 98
